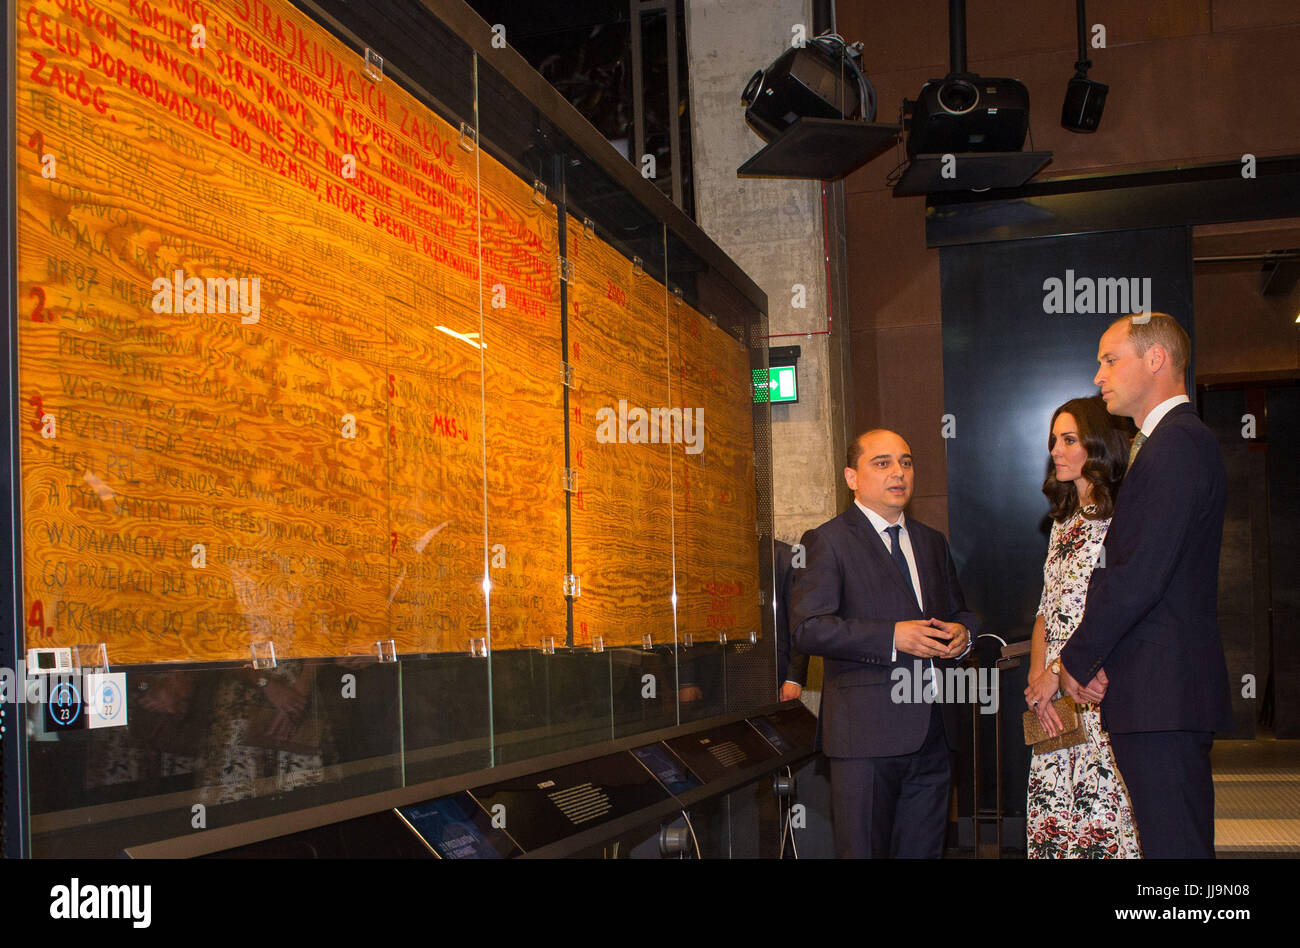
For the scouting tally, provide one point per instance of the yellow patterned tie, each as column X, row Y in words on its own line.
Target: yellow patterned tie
column 1137, row 446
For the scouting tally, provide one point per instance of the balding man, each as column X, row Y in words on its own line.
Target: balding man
column 879, row 600
column 1148, row 645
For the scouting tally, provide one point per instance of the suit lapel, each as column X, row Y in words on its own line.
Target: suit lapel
column 878, row 556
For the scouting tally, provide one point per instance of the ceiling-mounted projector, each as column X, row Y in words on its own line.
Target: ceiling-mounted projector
column 965, row 132
column 815, row 108
column 821, row 79
column 965, row 113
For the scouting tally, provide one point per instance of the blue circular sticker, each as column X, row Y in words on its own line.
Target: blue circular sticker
column 110, row 700
column 65, row 704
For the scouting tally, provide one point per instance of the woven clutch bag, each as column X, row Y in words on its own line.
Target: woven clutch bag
column 1071, row 720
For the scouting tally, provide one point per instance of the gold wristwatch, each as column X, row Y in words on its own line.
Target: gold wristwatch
column 1055, row 668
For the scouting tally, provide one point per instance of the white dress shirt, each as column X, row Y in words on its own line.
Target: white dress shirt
column 881, row 526
column 1153, row 417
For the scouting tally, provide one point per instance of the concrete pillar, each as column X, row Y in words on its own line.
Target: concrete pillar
column 774, row 230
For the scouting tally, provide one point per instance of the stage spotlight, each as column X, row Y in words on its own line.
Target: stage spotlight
column 1084, row 97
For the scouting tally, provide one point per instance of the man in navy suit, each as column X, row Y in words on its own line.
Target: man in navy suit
column 791, row 666
column 1148, row 645
column 879, row 600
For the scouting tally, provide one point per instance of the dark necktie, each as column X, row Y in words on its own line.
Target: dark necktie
column 896, row 553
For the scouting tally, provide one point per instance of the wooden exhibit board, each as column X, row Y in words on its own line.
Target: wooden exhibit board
column 296, row 451
column 715, row 512
column 290, row 365
column 670, row 505
column 523, row 384
column 621, row 513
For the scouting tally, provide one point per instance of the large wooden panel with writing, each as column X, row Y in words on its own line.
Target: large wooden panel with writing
column 288, row 445
column 715, row 511
column 621, row 513
column 523, row 385
column 291, row 367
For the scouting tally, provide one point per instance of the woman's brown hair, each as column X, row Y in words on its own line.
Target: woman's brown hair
column 1107, row 444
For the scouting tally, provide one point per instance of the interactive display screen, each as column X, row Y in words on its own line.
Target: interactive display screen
column 457, row 828
column 668, row 770
column 772, row 735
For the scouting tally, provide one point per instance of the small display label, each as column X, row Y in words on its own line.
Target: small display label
column 65, row 705
column 106, row 700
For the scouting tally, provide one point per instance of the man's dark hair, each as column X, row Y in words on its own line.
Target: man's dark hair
column 855, row 447
column 1107, row 445
column 855, row 452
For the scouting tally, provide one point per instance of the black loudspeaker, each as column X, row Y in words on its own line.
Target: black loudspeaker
column 964, row 113
column 811, row 81
column 1084, row 100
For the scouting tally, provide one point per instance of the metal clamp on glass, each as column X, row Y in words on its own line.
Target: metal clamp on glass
column 478, row 647
column 638, row 267
column 598, row 643
column 688, row 640
column 548, row 645
column 468, row 136
column 722, row 637
column 387, row 650
column 588, row 228
column 647, row 642
column 374, row 65
column 565, row 266
column 263, row 654
column 572, row 585
column 539, row 191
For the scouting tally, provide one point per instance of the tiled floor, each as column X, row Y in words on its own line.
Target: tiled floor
column 1256, row 798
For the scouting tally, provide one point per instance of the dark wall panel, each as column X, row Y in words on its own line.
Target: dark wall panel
column 1007, row 364
column 1284, row 555
column 1244, row 538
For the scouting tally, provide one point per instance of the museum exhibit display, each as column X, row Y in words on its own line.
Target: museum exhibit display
column 374, row 423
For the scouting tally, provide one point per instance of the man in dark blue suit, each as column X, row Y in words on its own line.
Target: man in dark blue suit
column 1148, row 645
column 879, row 600
column 791, row 666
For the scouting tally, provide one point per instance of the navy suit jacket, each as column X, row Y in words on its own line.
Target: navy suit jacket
column 790, row 664
column 1151, row 618
column 846, row 601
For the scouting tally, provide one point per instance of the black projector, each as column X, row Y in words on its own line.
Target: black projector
column 964, row 113
column 812, row 81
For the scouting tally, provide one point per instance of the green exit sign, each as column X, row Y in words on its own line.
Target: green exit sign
column 777, row 384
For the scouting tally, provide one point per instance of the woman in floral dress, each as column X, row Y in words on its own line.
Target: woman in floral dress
column 1078, row 807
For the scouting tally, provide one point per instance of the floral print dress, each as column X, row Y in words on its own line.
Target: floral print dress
column 1078, row 807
